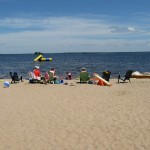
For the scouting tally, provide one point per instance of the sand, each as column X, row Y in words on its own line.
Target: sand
column 78, row 117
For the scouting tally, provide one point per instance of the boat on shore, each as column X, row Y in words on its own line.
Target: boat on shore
column 139, row 75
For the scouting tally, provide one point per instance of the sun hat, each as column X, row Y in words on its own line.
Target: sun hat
column 37, row 67
column 83, row 68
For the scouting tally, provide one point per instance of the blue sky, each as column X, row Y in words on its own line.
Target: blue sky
column 56, row 26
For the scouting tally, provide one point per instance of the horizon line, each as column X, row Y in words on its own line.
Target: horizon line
column 74, row 52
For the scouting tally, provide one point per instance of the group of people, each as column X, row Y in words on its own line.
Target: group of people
column 51, row 77
column 45, row 78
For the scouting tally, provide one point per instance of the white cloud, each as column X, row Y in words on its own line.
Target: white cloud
column 66, row 34
column 122, row 29
column 131, row 29
column 66, row 26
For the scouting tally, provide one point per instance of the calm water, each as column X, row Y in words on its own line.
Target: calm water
column 63, row 62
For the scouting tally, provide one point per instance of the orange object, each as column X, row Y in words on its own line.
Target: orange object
column 95, row 79
column 100, row 82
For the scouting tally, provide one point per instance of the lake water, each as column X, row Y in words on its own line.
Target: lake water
column 63, row 62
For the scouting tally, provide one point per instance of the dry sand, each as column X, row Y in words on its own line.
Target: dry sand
column 79, row 117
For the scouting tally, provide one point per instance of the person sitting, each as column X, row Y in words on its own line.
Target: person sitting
column 84, row 75
column 37, row 72
column 53, row 71
column 69, row 76
column 83, row 69
column 52, row 74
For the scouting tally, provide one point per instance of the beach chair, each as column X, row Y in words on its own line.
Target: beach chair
column 106, row 75
column 126, row 77
column 49, row 77
column 33, row 78
column 84, row 77
column 14, row 77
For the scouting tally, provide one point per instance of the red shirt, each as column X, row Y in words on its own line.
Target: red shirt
column 37, row 72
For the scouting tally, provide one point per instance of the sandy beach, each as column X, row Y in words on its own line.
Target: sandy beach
column 78, row 117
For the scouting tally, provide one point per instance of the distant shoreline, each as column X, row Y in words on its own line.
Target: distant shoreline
column 74, row 53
